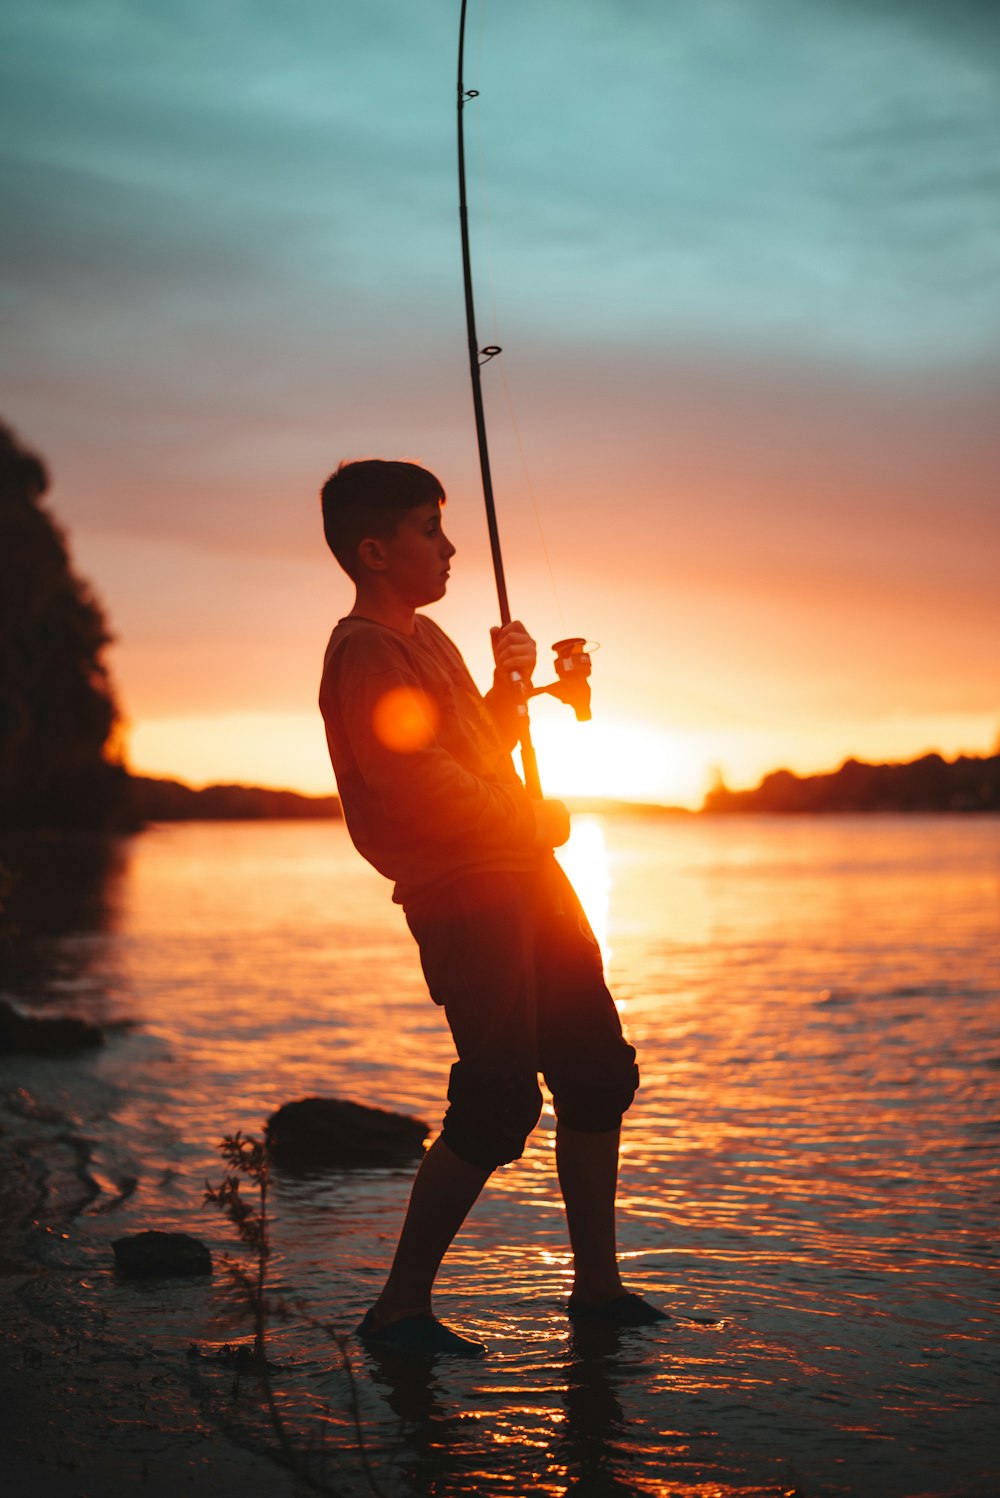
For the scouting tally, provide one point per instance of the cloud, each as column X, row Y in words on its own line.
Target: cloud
column 768, row 172
column 747, row 171
column 742, row 258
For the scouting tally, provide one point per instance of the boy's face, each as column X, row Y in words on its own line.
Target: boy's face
column 415, row 560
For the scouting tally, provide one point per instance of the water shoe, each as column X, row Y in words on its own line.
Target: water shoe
column 423, row 1335
column 627, row 1309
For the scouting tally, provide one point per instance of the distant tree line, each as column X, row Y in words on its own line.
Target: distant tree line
column 154, row 800
column 59, row 764
column 930, row 783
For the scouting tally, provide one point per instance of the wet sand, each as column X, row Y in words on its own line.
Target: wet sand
column 87, row 1411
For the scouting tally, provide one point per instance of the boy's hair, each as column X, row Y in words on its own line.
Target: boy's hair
column 369, row 498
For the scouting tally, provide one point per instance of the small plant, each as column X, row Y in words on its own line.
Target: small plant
column 246, row 1159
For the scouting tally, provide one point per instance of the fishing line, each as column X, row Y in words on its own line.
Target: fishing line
column 572, row 663
column 531, row 495
column 486, row 239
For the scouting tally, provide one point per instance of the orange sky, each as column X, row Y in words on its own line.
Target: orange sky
column 795, row 599
column 743, row 429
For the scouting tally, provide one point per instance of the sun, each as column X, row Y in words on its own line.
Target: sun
column 622, row 759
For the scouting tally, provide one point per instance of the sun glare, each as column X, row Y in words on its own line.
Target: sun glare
column 406, row 719
column 585, row 859
column 624, row 759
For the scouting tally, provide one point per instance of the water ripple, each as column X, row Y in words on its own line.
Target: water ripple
column 808, row 1174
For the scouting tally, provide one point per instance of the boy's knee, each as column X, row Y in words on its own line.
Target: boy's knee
column 596, row 1103
column 493, row 1108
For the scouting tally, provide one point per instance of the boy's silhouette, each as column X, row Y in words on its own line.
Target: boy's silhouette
column 431, row 799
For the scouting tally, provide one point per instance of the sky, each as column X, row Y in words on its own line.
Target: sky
column 743, row 258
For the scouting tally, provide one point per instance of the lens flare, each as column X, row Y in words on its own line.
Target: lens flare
column 405, row 719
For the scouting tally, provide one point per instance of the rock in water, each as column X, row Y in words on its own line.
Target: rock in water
column 45, row 1035
column 151, row 1255
column 317, row 1131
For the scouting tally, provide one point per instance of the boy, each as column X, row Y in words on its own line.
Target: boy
column 432, row 800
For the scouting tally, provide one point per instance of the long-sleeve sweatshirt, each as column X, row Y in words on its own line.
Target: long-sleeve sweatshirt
column 422, row 760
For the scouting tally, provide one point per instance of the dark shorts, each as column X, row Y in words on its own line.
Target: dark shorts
column 517, row 969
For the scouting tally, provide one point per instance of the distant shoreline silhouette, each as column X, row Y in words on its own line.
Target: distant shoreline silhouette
column 970, row 783
column 151, row 799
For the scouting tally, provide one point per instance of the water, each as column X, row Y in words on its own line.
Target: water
column 808, row 1177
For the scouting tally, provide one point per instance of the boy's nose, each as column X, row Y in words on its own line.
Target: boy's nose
column 448, row 549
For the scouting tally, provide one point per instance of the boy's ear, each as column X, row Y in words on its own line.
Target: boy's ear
column 371, row 554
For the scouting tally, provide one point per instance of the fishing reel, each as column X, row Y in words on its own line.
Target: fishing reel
column 572, row 686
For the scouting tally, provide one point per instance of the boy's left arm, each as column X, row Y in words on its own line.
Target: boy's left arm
column 513, row 651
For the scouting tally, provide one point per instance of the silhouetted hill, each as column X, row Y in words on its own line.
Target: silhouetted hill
column 152, row 800
column 58, row 716
column 969, row 784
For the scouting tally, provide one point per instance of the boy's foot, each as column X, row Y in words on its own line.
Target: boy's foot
column 626, row 1309
column 423, row 1335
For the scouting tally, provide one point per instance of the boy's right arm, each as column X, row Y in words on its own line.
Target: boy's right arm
column 424, row 790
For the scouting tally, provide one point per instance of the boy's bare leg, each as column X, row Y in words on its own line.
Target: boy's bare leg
column 588, row 1177
column 445, row 1189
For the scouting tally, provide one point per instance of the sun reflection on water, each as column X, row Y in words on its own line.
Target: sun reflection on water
column 585, row 860
column 808, row 1178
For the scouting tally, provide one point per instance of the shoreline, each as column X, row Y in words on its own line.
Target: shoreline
column 89, row 1410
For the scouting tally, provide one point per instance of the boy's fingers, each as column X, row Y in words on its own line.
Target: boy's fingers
column 513, row 648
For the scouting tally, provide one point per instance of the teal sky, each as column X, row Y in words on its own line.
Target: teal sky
column 743, row 258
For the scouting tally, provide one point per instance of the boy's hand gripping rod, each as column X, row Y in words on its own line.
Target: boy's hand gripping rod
column 572, row 660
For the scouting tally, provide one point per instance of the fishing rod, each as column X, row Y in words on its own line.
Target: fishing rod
column 572, row 662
